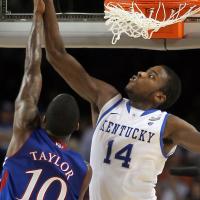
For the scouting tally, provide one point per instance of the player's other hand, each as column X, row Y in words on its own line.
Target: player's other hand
column 39, row 6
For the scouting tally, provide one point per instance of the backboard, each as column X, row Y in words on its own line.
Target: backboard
column 83, row 26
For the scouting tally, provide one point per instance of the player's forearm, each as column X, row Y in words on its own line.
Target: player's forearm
column 32, row 80
column 33, row 49
column 67, row 66
column 53, row 40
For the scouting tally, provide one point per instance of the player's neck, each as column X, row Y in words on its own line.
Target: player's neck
column 60, row 142
column 141, row 105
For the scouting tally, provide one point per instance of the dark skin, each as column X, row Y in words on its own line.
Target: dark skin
column 145, row 90
column 26, row 117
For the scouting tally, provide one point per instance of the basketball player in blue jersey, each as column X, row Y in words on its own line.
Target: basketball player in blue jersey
column 38, row 164
column 133, row 137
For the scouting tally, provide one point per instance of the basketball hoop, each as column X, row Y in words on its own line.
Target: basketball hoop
column 149, row 18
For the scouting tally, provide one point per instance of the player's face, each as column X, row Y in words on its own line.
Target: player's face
column 145, row 84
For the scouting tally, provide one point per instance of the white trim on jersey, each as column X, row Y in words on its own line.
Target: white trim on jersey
column 111, row 104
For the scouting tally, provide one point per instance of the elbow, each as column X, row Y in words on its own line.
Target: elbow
column 17, row 103
column 51, row 57
column 53, row 54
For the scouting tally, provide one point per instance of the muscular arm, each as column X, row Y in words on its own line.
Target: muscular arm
column 183, row 134
column 26, row 113
column 94, row 91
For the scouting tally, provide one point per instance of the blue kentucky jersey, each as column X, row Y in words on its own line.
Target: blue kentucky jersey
column 41, row 170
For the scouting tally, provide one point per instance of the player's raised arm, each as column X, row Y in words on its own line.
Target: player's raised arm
column 26, row 113
column 182, row 133
column 68, row 67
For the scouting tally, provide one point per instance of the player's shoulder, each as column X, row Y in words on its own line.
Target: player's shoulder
column 175, row 120
column 112, row 103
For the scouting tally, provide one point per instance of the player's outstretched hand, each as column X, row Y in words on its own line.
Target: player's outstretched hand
column 39, row 6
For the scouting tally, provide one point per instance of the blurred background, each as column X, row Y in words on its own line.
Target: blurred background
column 115, row 66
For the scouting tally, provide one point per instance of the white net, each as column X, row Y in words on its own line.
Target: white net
column 135, row 24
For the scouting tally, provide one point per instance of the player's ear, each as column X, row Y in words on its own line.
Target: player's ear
column 160, row 97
